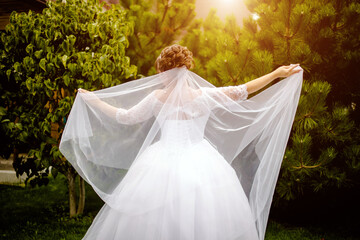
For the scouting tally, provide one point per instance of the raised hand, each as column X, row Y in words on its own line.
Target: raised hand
column 87, row 95
column 286, row 71
column 80, row 90
column 283, row 71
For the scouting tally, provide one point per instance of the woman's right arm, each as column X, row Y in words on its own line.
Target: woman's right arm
column 259, row 83
column 242, row 91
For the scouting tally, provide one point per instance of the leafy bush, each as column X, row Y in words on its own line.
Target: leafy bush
column 44, row 59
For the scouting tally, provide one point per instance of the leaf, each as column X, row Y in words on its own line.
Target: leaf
column 29, row 49
column 17, row 67
column 49, row 84
column 57, row 35
column 23, row 136
column 49, row 93
column 29, row 83
column 122, row 39
column 28, row 62
column 18, row 126
column 57, row 61
column 52, row 141
column 42, row 64
column 8, row 73
column 38, row 54
column 63, row 27
column 46, row 128
column 111, row 67
column 2, row 111
column 64, row 59
column 72, row 67
column 66, row 80
column 65, row 46
column 72, row 40
column 103, row 61
column 50, row 67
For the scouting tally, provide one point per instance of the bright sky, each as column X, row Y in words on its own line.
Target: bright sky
column 223, row 7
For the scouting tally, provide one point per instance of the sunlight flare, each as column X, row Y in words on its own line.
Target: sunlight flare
column 255, row 16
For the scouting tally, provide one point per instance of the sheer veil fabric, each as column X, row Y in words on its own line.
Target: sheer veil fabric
column 109, row 131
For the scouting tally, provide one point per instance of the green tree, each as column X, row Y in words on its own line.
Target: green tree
column 158, row 23
column 228, row 55
column 322, row 36
column 45, row 58
column 224, row 53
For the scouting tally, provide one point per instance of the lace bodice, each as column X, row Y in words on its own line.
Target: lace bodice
column 183, row 133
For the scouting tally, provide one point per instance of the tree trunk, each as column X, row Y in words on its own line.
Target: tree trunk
column 16, row 154
column 71, row 176
column 81, row 203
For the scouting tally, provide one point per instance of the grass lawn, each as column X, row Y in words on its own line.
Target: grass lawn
column 42, row 213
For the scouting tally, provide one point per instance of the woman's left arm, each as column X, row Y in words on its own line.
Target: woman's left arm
column 259, row 83
column 136, row 114
column 95, row 102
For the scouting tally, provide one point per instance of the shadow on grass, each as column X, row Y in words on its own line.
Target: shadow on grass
column 42, row 213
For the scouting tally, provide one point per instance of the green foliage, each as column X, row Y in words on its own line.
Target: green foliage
column 224, row 53
column 322, row 34
column 157, row 25
column 335, row 36
column 45, row 58
column 42, row 212
column 311, row 33
column 322, row 150
column 277, row 231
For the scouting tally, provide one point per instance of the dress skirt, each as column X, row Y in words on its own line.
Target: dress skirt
column 177, row 192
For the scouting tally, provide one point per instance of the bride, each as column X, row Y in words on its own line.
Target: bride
column 175, row 158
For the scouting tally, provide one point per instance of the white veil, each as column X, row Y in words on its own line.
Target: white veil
column 102, row 141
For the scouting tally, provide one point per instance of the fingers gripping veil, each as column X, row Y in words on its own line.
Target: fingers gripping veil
column 109, row 130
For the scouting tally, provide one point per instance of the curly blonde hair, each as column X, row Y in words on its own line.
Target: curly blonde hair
column 174, row 56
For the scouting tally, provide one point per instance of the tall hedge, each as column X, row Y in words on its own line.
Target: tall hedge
column 44, row 59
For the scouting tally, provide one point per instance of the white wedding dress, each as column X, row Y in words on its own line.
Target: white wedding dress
column 175, row 158
column 203, row 198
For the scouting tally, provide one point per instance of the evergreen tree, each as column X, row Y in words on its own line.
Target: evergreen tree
column 158, row 23
column 322, row 36
column 228, row 55
column 224, row 53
